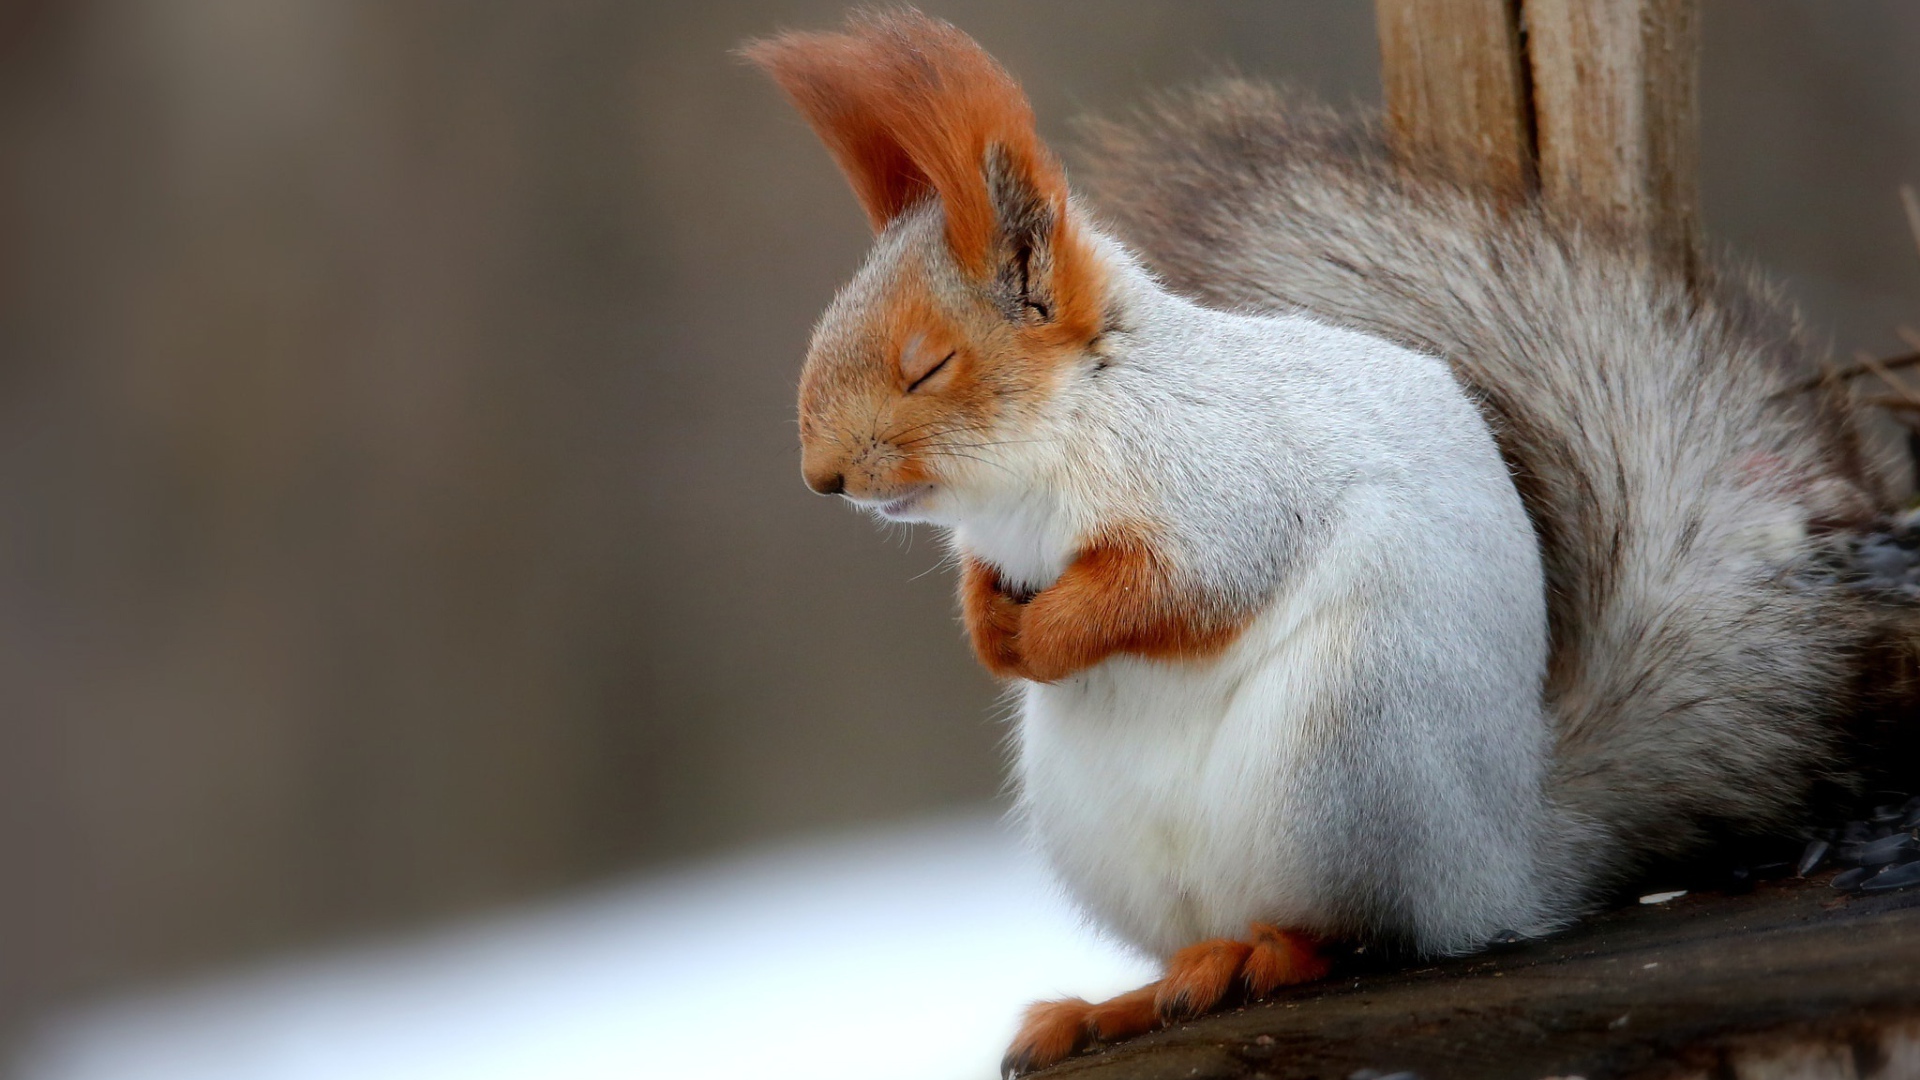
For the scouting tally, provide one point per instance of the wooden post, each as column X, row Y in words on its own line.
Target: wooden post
column 1456, row 88
column 1615, row 101
column 1593, row 103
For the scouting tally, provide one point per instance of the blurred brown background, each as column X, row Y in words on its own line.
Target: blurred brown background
column 398, row 507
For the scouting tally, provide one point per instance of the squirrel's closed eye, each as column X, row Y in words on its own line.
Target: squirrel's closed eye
column 930, row 373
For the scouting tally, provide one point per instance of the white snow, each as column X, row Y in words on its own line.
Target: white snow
column 896, row 954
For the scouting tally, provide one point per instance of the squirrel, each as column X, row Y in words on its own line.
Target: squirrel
column 1377, row 561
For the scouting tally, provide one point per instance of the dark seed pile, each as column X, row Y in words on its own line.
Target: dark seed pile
column 1885, row 561
column 1879, row 852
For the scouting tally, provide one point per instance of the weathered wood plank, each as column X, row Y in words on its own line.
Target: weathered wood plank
column 1709, row 985
column 1593, row 103
column 1455, row 82
column 1616, row 115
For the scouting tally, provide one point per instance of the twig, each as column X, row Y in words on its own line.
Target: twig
column 1904, row 402
column 1900, row 410
column 1893, row 381
column 1911, row 200
column 1852, row 371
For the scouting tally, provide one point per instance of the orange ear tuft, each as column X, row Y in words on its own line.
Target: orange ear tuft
column 909, row 106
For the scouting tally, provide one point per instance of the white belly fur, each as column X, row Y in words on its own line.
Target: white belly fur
column 1163, row 792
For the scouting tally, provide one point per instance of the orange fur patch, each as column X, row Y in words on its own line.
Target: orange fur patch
column 1119, row 595
column 857, row 416
column 911, row 320
column 908, row 107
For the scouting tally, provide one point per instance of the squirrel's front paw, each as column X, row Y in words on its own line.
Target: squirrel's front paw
column 1040, row 637
column 993, row 620
column 1059, row 635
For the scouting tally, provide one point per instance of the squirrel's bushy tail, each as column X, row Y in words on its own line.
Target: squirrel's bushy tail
column 1708, row 658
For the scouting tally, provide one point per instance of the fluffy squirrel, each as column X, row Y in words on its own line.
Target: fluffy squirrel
column 1377, row 563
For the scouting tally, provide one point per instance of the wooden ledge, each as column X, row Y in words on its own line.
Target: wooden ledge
column 1789, row 980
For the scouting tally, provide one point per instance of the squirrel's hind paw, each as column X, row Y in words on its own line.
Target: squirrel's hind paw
column 1050, row 1031
column 1281, row 958
column 1199, row 978
column 1054, row 1030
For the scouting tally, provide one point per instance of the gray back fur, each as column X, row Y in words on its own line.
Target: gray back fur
column 1701, row 669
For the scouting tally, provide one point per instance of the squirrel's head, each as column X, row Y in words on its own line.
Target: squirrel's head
column 984, row 291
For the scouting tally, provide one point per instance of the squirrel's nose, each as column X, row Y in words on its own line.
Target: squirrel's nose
column 827, row 483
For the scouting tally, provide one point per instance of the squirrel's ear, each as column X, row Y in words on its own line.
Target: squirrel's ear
column 911, row 107
column 832, row 79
